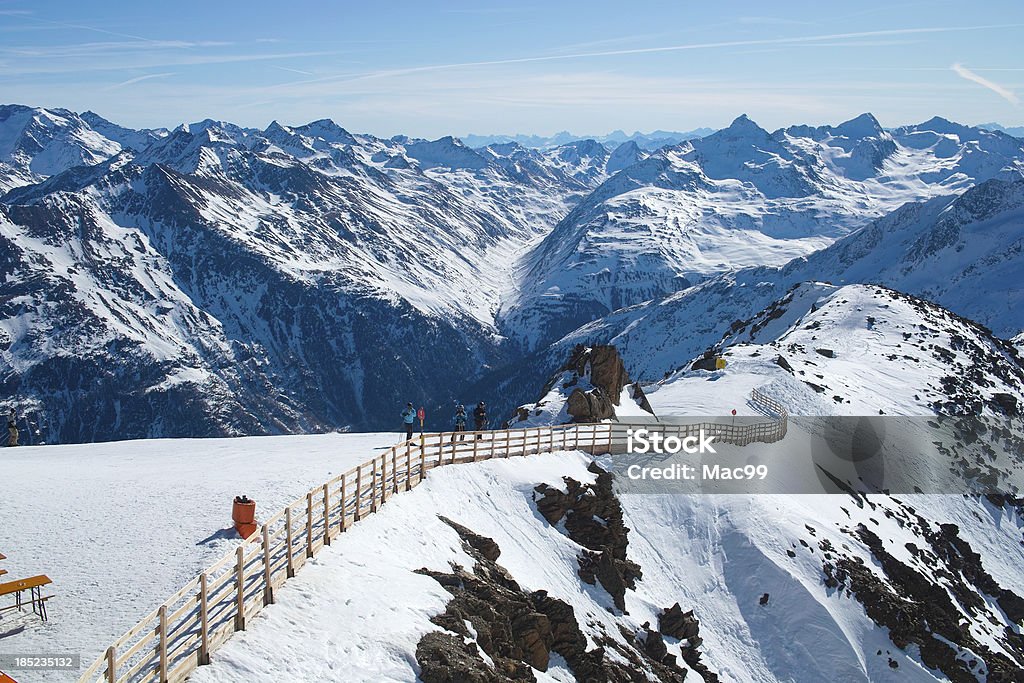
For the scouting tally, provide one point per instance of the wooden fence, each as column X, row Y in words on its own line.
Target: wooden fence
column 176, row 638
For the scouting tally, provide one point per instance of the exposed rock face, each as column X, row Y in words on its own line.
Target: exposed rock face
column 705, row 362
column 1007, row 403
column 916, row 606
column 606, row 369
column 518, row 631
column 587, row 388
column 784, row 364
column 593, row 518
column 590, row 406
column 445, row 658
column 674, row 623
column 608, row 376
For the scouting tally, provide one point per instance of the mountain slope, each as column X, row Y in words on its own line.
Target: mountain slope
column 741, row 197
column 946, row 250
column 36, row 143
column 272, row 291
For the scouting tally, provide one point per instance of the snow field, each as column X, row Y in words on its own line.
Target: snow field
column 119, row 527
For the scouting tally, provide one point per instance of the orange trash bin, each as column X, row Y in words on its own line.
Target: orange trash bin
column 243, row 514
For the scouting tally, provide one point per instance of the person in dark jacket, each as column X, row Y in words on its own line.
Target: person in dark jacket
column 409, row 420
column 480, row 417
column 460, row 422
column 12, row 428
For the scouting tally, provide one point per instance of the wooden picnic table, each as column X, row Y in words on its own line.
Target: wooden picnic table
column 34, row 585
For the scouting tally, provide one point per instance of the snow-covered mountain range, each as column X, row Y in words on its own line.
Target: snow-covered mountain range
column 649, row 141
column 740, row 197
column 215, row 279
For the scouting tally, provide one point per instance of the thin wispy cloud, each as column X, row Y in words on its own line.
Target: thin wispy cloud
column 294, row 71
column 772, row 21
column 798, row 40
column 138, row 79
column 175, row 59
column 963, row 72
column 111, row 47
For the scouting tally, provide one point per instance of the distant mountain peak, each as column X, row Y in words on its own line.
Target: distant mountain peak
column 743, row 125
column 326, row 129
column 863, row 126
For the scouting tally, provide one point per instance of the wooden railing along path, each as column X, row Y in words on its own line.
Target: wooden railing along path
column 176, row 638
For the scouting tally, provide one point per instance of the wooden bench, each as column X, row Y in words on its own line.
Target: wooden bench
column 34, row 585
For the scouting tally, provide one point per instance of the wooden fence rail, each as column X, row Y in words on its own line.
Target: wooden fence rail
column 179, row 636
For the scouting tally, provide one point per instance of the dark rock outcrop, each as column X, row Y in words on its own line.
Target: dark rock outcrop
column 444, row 658
column 519, row 630
column 707, row 361
column 593, row 518
column 685, row 627
column 917, row 609
column 1006, row 403
column 590, row 406
column 784, row 364
column 608, row 376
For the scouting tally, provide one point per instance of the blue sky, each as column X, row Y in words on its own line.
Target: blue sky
column 436, row 68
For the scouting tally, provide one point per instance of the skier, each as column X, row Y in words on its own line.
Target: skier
column 460, row 421
column 480, row 417
column 12, row 428
column 408, row 418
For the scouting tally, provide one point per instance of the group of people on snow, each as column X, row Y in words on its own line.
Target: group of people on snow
column 458, row 424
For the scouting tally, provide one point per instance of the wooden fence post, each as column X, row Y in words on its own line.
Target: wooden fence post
column 268, row 589
column 373, row 488
column 394, row 472
column 204, row 622
column 163, row 643
column 288, row 540
column 111, row 664
column 357, row 515
column 344, row 501
column 423, row 462
column 327, row 514
column 240, row 589
column 408, row 472
column 309, row 524
column 384, row 477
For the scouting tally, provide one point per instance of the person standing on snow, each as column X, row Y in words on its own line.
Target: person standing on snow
column 480, row 417
column 12, row 428
column 408, row 419
column 460, row 421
